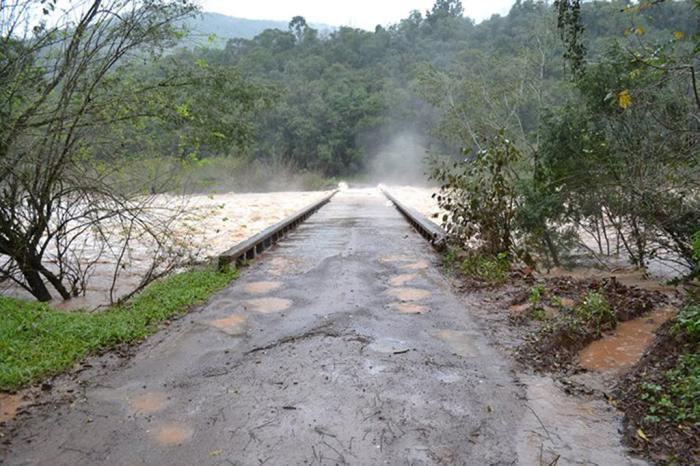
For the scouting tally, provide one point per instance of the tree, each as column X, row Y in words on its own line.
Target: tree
column 70, row 94
column 298, row 27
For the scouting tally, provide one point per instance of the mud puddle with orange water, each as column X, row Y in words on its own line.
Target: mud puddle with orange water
column 235, row 324
column 623, row 348
column 262, row 287
column 268, row 305
column 171, row 434
column 408, row 294
column 420, row 265
column 409, row 308
column 149, row 403
column 401, row 280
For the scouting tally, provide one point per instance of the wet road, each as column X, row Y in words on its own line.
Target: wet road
column 342, row 345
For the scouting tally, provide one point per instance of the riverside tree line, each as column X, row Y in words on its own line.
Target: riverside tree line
column 552, row 123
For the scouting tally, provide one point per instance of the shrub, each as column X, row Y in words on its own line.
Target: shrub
column 487, row 268
column 596, row 310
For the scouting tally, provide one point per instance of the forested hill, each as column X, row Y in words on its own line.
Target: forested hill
column 224, row 27
column 347, row 95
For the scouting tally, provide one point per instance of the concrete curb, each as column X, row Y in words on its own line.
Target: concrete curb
column 428, row 229
column 248, row 249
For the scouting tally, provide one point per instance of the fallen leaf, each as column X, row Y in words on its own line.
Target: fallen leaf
column 642, row 435
column 215, row 453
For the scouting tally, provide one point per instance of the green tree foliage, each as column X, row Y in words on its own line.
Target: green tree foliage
column 79, row 91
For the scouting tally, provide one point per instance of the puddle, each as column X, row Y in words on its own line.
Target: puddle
column 235, row 324
column 391, row 258
column 261, row 287
column 268, row 305
column 620, row 350
column 149, row 403
column 9, row 405
column 286, row 265
column 459, row 342
column 409, row 308
column 573, row 430
column 408, row 294
column 389, row 345
column 401, row 280
column 420, row 265
column 222, row 304
column 172, row 433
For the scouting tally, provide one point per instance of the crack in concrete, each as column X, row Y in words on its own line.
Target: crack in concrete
column 325, row 330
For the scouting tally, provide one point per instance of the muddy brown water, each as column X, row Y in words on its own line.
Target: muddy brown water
column 625, row 346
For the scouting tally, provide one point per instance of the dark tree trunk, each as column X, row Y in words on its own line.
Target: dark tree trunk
column 34, row 281
column 551, row 247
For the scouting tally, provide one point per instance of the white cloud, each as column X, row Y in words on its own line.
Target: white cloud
column 358, row 13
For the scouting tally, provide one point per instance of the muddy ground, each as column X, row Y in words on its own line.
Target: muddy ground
column 345, row 344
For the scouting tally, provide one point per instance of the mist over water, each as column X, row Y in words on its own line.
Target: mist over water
column 401, row 161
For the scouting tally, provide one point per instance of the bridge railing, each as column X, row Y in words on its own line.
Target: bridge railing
column 248, row 249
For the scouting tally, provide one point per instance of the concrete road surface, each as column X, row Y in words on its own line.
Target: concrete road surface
column 342, row 345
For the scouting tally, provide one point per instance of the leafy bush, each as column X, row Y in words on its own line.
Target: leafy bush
column 536, row 294
column 678, row 400
column 596, row 310
column 487, row 268
column 480, row 198
column 689, row 321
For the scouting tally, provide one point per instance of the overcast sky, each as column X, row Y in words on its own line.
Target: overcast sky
column 364, row 14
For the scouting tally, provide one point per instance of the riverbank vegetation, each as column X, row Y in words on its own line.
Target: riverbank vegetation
column 37, row 341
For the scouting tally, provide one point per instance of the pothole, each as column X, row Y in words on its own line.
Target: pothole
column 391, row 258
column 409, row 308
column 459, row 342
column 389, row 345
column 268, row 305
column 420, row 265
column 235, row 324
column 173, row 433
column 149, row 403
column 408, row 294
column 401, row 280
column 261, row 287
